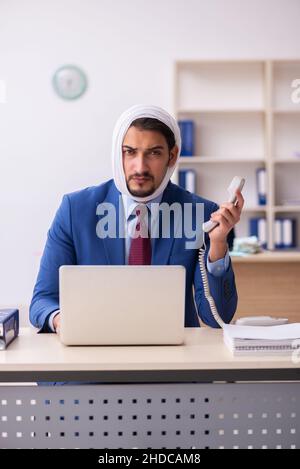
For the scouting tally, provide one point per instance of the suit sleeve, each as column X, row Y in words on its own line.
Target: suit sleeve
column 222, row 288
column 59, row 250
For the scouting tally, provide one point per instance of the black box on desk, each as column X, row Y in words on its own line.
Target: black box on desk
column 9, row 326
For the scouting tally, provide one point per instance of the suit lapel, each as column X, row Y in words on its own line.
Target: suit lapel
column 114, row 246
column 161, row 247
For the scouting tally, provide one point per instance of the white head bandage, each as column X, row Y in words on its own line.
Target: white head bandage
column 121, row 127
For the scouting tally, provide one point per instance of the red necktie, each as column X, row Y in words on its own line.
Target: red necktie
column 140, row 248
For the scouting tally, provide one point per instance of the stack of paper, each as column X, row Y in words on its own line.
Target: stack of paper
column 278, row 340
column 247, row 245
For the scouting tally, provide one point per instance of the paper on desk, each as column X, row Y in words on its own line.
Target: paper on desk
column 282, row 332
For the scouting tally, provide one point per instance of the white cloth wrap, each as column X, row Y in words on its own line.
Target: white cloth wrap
column 121, row 127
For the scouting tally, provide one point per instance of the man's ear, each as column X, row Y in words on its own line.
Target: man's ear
column 173, row 156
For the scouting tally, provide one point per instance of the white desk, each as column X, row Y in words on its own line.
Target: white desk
column 158, row 397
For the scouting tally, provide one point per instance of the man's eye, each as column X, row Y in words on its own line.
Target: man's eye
column 156, row 152
column 129, row 152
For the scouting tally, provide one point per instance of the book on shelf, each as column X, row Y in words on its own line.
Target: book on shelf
column 258, row 228
column 278, row 237
column 262, row 340
column 187, row 131
column 261, row 186
column 285, row 233
column 187, row 179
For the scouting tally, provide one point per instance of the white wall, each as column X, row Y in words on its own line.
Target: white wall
column 49, row 147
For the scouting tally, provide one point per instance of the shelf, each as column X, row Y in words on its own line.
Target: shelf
column 226, row 62
column 286, row 135
column 221, row 111
column 217, row 159
column 268, row 256
column 286, row 208
column 251, row 114
column 285, row 61
column 287, row 111
column 284, row 74
column 220, row 86
column 256, row 208
column 293, row 160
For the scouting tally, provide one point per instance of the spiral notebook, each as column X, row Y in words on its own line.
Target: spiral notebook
column 262, row 340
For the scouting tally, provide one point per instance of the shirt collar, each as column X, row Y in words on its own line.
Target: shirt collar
column 130, row 204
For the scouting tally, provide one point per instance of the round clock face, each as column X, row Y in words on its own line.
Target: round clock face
column 69, row 82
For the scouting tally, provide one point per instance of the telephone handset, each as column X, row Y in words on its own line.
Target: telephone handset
column 237, row 183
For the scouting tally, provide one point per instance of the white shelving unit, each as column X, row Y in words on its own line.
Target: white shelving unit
column 244, row 119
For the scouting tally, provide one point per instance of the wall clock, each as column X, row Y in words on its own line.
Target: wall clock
column 69, row 82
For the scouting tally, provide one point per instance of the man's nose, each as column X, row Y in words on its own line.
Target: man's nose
column 140, row 164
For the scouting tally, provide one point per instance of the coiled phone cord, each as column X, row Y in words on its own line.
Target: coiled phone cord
column 207, row 293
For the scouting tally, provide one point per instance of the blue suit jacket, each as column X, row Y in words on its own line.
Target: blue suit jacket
column 72, row 239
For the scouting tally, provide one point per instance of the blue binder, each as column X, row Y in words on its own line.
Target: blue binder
column 187, row 180
column 278, row 235
column 187, row 131
column 285, row 233
column 261, row 186
column 258, row 228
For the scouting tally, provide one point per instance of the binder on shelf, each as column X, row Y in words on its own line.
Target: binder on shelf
column 261, row 186
column 258, row 228
column 187, row 180
column 278, row 236
column 187, row 131
column 9, row 326
column 289, row 232
column 285, row 233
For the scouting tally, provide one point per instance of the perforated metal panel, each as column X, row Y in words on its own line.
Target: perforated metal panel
column 248, row 415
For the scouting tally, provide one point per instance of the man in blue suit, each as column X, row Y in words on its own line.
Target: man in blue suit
column 146, row 147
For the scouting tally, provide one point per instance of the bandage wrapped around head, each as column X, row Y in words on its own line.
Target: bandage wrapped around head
column 120, row 130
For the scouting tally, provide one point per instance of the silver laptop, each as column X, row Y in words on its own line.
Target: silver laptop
column 122, row 305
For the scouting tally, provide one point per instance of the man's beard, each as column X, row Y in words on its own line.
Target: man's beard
column 143, row 192
column 140, row 192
